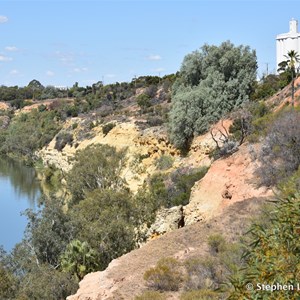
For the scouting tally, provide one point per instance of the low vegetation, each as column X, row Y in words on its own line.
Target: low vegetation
column 102, row 218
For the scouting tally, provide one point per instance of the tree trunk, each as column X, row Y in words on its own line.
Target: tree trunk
column 293, row 89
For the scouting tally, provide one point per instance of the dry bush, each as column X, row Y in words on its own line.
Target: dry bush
column 280, row 153
column 165, row 276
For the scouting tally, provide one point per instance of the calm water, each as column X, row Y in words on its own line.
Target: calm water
column 19, row 190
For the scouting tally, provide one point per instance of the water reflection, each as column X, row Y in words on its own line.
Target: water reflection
column 21, row 178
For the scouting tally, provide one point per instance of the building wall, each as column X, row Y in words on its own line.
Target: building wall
column 287, row 41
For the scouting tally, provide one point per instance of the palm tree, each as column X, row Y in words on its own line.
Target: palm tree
column 79, row 259
column 290, row 65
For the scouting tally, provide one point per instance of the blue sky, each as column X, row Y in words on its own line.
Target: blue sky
column 63, row 42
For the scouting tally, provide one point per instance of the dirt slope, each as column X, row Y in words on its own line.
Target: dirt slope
column 123, row 279
column 227, row 181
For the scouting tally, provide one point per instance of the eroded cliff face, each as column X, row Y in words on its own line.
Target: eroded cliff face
column 229, row 182
column 143, row 147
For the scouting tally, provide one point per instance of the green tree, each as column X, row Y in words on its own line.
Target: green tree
column 143, row 101
column 30, row 132
column 48, row 232
column 96, row 167
column 212, row 82
column 79, row 259
column 105, row 219
column 44, row 282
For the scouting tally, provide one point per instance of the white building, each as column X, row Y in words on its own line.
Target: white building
column 286, row 42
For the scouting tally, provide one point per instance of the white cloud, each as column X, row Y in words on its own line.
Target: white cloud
column 5, row 58
column 14, row 72
column 3, row 19
column 79, row 70
column 110, row 75
column 158, row 70
column 50, row 73
column 154, row 57
column 11, row 48
column 66, row 58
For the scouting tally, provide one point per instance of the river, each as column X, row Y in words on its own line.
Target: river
column 19, row 190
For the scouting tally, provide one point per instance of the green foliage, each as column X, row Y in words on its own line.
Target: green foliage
column 79, row 259
column 216, row 243
column 269, row 85
column 165, row 276
column 48, row 232
column 164, row 162
column 143, row 101
column 7, row 283
column 29, row 132
column 63, row 139
column 107, row 128
column 93, row 216
column 200, row 295
column 173, row 189
column 289, row 66
column 151, row 295
column 272, row 256
column 96, row 167
column 280, row 153
column 181, row 182
column 52, row 177
column 43, row 282
column 212, row 82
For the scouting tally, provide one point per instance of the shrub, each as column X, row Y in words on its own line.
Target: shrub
column 216, row 243
column 143, row 101
column 280, row 153
column 154, row 121
column 165, row 276
column 20, row 140
column 267, row 87
column 105, row 220
column 79, row 259
column 200, row 295
column 272, row 254
column 151, row 295
column 107, row 128
column 180, row 183
column 63, row 139
column 164, row 162
column 200, row 273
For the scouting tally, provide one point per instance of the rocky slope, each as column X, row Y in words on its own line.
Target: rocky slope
column 123, row 279
column 222, row 201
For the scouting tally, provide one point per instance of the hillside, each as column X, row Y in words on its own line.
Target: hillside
column 123, row 279
column 153, row 182
column 224, row 201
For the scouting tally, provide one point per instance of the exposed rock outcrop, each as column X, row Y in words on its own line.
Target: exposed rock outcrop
column 167, row 219
column 143, row 148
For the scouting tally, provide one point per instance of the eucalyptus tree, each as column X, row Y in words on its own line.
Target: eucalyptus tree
column 212, row 81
